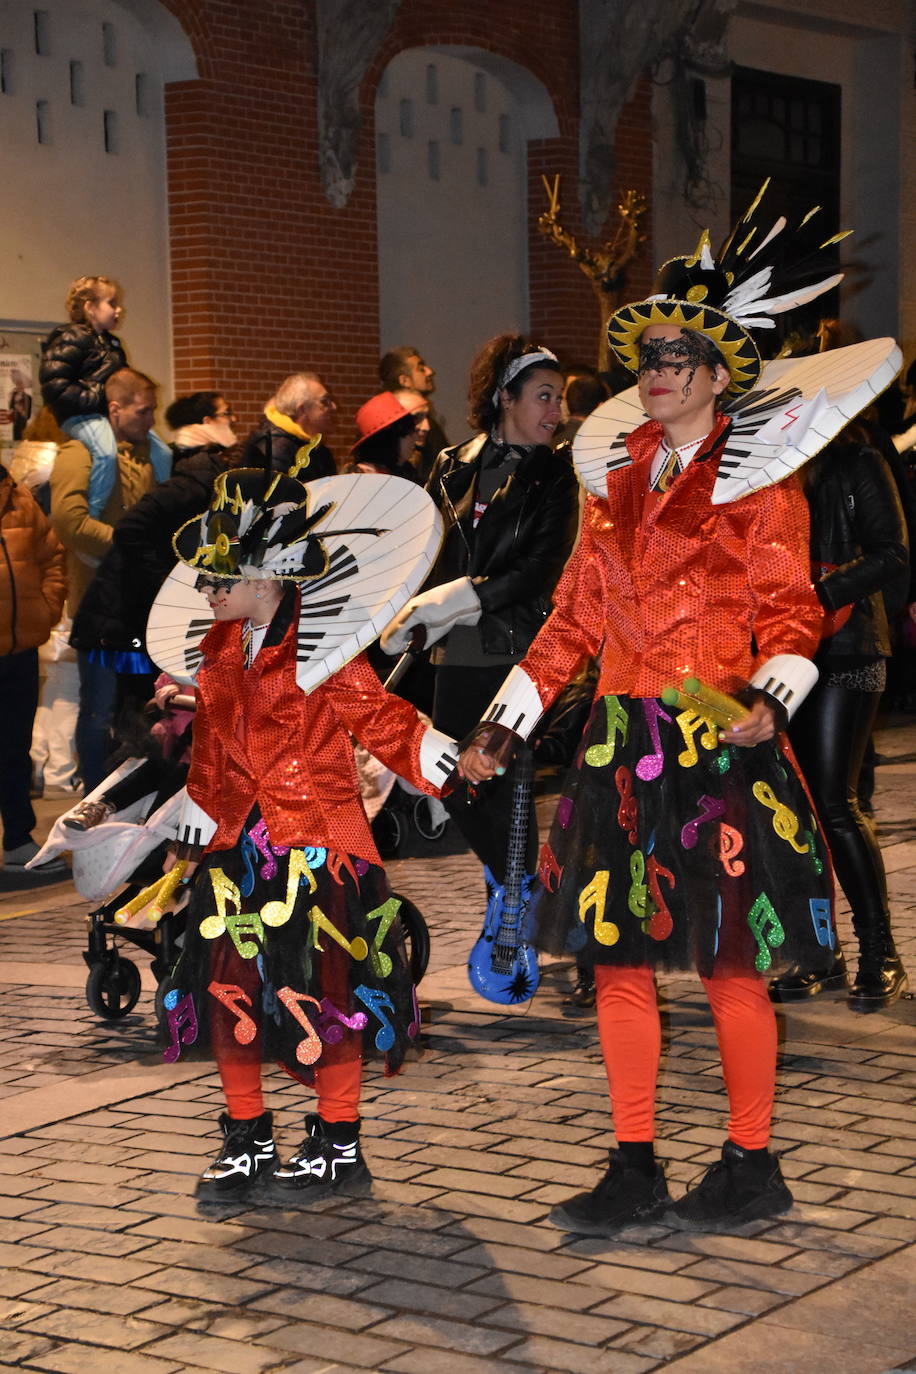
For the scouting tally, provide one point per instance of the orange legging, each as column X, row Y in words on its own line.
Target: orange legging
column 337, row 1087
column 630, row 1032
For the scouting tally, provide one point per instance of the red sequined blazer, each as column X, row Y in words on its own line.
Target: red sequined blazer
column 259, row 738
column 673, row 586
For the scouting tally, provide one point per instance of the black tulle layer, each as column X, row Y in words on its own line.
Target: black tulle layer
column 678, row 852
column 312, row 972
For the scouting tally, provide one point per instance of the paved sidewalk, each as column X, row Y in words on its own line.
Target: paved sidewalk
column 451, row 1266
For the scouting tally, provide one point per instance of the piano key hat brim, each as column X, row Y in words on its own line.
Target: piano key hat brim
column 377, row 539
column 796, row 408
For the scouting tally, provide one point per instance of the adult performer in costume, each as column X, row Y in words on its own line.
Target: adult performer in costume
column 679, row 843
column 293, row 949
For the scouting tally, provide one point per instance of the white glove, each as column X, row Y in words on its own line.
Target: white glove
column 454, row 603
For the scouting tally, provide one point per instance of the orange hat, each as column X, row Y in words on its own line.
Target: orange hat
column 381, row 411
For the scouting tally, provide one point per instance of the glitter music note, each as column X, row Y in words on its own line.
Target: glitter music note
column 594, row 895
column 249, row 856
column 785, row 821
column 766, row 928
column 413, row 1028
column 181, row 1020
column 690, row 725
column 356, row 948
column 660, row 924
column 731, row 843
column 627, row 811
column 618, row 723
column 636, row 898
column 565, row 808
column 309, row 1049
column 385, row 914
column 332, row 1022
column 269, row 852
column 651, row 765
column 822, row 920
column 378, row 1003
column 230, row 917
column 710, row 809
column 336, row 862
column 230, row 995
column 277, row 913
column 549, row 871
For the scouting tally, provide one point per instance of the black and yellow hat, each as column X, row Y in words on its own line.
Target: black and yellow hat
column 750, row 279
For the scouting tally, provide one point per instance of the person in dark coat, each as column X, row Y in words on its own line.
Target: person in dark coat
column 300, row 410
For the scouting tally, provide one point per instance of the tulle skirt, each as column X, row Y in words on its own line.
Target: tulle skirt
column 291, row 955
column 672, row 850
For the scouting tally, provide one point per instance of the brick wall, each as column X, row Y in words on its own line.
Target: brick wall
column 266, row 276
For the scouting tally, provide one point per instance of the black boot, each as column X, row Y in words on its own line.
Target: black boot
column 583, row 994
column 624, row 1197
column 248, row 1154
column 329, row 1160
column 881, row 978
column 795, row 986
column 746, row 1185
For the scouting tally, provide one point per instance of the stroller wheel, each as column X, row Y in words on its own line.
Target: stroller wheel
column 113, row 987
column 388, row 832
column 416, row 936
column 429, row 824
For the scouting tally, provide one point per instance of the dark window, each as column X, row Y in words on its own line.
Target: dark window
column 42, row 22
column 77, row 85
column 6, row 71
column 109, row 45
column 110, row 130
column 141, row 93
column 43, row 121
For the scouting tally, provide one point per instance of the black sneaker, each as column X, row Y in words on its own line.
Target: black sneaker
column 329, row 1160
column 248, row 1154
column 731, row 1192
column 624, row 1197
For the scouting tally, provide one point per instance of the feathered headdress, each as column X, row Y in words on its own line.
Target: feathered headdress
column 757, row 274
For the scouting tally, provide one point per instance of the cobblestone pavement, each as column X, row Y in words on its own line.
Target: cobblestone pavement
column 451, row 1266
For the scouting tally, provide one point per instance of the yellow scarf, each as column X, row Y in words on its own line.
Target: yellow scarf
column 285, row 423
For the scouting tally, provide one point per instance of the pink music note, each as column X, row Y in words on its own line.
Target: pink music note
column 181, row 1017
column 230, row 995
column 651, row 765
column 269, row 852
column 710, row 809
column 309, row 1049
column 332, row 1021
column 378, row 1003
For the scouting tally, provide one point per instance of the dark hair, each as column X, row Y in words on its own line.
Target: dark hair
column 393, row 364
column 486, row 370
column 192, row 410
column 584, row 393
column 383, row 446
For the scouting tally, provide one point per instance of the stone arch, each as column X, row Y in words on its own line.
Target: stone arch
column 453, row 124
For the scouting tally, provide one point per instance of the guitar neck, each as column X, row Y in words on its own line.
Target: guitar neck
column 518, row 832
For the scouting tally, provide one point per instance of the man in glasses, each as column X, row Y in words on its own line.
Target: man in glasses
column 299, row 409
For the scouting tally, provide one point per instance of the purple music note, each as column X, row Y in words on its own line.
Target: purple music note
column 269, row 852
column 564, row 812
column 651, row 765
column 332, row 1020
column 414, row 1028
column 181, row 1017
column 710, row 809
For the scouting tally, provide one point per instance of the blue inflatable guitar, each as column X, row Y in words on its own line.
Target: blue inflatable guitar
column 503, row 967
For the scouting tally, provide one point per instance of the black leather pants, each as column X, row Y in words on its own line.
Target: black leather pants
column 829, row 736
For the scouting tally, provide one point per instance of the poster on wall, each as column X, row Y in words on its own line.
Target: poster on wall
column 17, row 393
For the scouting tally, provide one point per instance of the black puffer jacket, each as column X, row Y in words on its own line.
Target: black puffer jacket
column 521, row 543
column 283, row 450
column 858, row 536
column 75, row 365
column 115, row 606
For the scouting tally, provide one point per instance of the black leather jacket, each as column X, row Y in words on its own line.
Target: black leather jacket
column 76, row 363
column 521, row 543
column 858, row 530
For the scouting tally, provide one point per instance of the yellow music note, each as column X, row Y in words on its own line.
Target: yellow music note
column 785, row 821
column 618, row 723
column 594, row 894
column 225, row 893
column 278, row 913
column 356, row 948
column 385, row 914
column 691, row 724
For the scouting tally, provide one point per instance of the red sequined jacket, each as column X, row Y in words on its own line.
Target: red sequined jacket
column 674, row 586
column 259, row 738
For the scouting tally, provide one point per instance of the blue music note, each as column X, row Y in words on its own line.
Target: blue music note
column 822, row 921
column 378, row 1003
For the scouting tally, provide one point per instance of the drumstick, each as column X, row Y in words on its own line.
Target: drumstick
column 159, row 893
column 723, row 710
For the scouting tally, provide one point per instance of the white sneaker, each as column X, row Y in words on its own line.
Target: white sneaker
column 18, row 858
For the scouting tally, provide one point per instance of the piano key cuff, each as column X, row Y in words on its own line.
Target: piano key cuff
column 438, row 756
column 516, row 705
column 787, row 677
column 195, row 827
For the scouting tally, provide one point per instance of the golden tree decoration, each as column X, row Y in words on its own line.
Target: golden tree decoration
column 606, row 266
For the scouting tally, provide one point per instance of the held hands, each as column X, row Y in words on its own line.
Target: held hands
column 487, row 752
column 437, row 610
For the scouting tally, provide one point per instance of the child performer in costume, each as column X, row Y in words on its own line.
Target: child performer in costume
column 293, row 949
column 682, row 842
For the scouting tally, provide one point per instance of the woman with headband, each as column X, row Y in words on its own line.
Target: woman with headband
column 510, row 508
